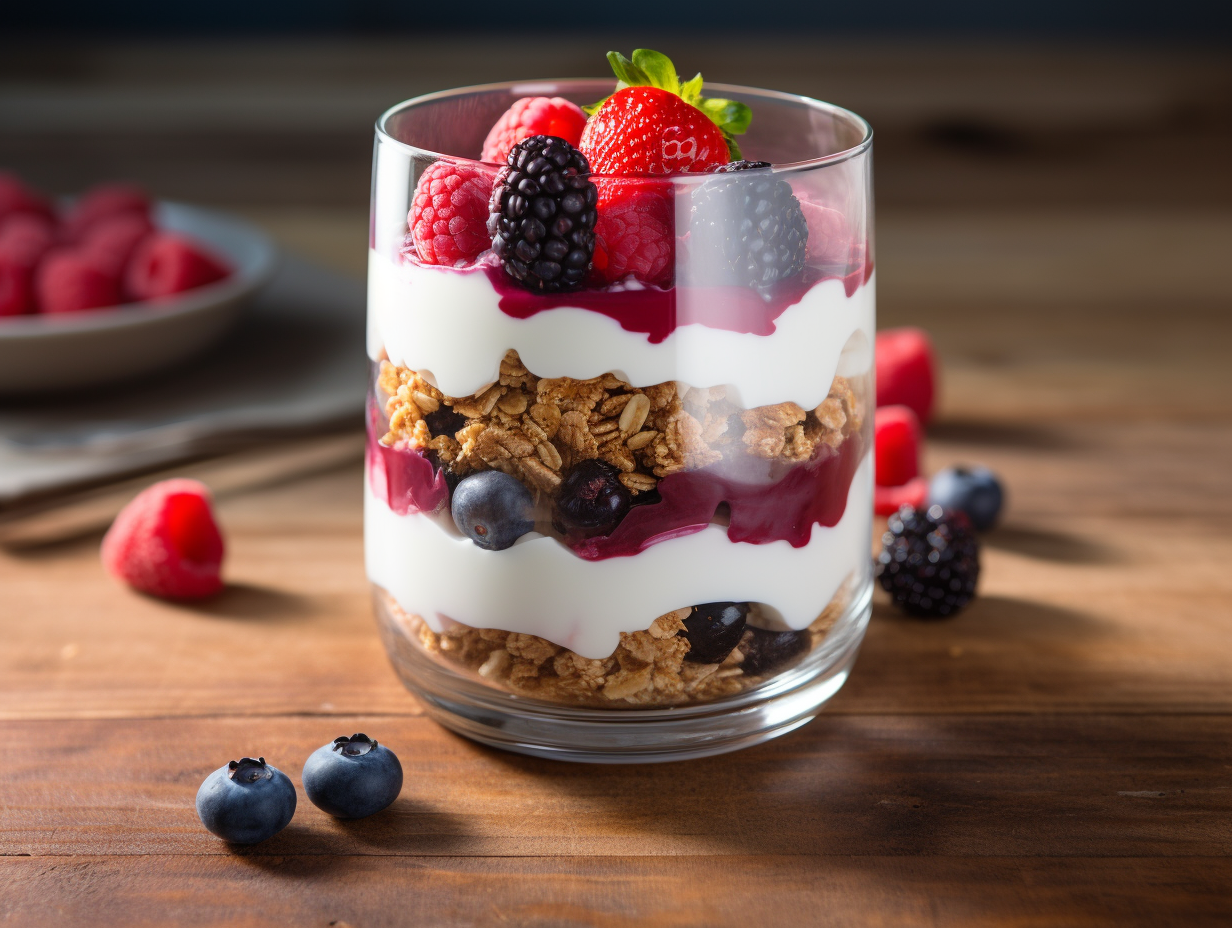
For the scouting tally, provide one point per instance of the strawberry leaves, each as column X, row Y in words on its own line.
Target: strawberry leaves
column 648, row 68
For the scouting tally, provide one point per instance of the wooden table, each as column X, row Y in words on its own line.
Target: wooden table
column 1059, row 754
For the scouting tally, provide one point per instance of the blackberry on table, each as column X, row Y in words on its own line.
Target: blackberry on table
column 929, row 561
column 747, row 228
column 542, row 214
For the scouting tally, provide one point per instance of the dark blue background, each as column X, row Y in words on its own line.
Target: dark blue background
column 1210, row 19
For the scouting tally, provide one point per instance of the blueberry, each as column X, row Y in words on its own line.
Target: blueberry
column 246, row 801
column 973, row 490
column 765, row 650
column 493, row 509
column 352, row 777
column 592, row 497
column 713, row 630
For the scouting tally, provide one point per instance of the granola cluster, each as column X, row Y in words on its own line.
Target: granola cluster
column 647, row 669
column 536, row 428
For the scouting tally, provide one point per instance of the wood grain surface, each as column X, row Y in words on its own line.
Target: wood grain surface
column 1059, row 754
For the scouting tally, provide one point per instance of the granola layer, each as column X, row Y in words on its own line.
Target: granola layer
column 648, row 669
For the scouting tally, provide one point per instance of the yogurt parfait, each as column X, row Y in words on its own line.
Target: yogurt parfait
column 619, row 484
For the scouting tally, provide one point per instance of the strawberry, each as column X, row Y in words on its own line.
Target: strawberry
column 655, row 124
column 449, row 214
column 533, row 116
column 635, row 231
column 165, row 542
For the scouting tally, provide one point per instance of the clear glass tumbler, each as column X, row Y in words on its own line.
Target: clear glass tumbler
column 662, row 478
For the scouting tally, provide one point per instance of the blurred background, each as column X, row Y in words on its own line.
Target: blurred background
column 1048, row 174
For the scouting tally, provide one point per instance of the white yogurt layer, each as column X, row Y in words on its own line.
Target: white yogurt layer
column 538, row 587
column 450, row 326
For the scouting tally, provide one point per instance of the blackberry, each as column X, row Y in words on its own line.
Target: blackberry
column 542, row 214
column 732, row 166
column 444, row 421
column 929, row 561
column 747, row 229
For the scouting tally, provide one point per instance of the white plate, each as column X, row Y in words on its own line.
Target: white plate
column 92, row 347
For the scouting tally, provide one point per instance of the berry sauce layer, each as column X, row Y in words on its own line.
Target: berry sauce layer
column 657, row 312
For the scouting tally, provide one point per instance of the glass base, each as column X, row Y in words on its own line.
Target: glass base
column 611, row 736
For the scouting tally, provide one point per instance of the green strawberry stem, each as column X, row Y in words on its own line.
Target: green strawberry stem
column 649, row 68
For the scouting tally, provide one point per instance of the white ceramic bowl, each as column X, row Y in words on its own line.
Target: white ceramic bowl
column 93, row 347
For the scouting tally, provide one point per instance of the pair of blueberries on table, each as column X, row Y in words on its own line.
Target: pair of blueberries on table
column 249, row 800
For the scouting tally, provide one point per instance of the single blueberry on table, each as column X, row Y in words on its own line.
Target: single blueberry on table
column 975, row 491
column 246, row 801
column 713, row 630
column 493, row 509
column 352, row 777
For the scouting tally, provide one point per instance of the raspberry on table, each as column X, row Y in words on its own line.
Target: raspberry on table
column 635, row 233
column 68, row 280
column 888, row 500
column 165, row 542
column 929, row 561
column 449, row 214
column 896, row 438
column 529, row 116
column 542, row 215
column 165, row 264
column 906, row 370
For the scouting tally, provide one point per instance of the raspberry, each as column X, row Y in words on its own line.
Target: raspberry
column 888, row 500
column 635, row 231
column 16, row 297
column 647, row 130
column 533, row 116
column 897, row 445
column 165, row 264
column 16, row 197
column 25, row 238
column 930, row 561
column 112, row 240
column 905, row 369
column 829, row 238
column 542, row 219
column 449, row 214
column 166, row 542
column 67, row 281
column 101, row 202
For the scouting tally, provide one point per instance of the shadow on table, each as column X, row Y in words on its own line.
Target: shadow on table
column 995, row 758
column 1051, row 546
column 249, row 601
column 321, row 842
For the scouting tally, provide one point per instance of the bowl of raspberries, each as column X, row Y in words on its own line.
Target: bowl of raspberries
column 112, row 284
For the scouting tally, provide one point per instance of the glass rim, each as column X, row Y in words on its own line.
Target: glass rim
column 533, row 87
